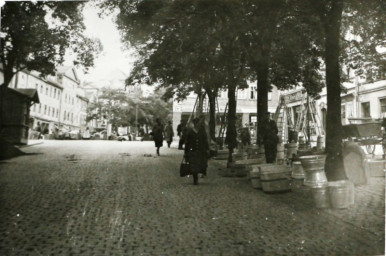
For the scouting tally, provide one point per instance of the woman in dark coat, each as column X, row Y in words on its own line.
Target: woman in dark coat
column 158, row 134
column 196, row 149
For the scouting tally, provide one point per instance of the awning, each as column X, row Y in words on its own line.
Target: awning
column 32, row 94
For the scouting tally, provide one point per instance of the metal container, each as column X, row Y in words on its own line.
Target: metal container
column 291, row 150
column 321, row 197
column 313, row 167
column 341, row 194
column 297, row 170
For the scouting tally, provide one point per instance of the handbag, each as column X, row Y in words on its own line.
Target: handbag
column 184, row 168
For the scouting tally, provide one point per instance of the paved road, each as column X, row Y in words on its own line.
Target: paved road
column 111, row 198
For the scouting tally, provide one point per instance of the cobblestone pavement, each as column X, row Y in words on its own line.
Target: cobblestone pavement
column 112, row 198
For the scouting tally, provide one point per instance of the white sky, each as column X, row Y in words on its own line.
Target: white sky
column 113, row 56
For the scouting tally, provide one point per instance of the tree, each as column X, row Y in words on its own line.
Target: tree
column 36, row 35
column 120, row 109
column 365, row 19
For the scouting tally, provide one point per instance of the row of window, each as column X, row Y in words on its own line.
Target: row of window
column 46, row 110
column 54, row 112
column 55, row 93
column 50, row 91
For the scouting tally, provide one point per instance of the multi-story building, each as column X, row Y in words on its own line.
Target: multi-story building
column 62, row 100
column 360, row 99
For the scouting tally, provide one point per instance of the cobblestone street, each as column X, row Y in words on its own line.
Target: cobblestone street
column 113, row 198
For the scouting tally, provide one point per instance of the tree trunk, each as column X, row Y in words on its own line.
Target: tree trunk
column 212, row 114
column 334, row 132
column 231, row 133
column 262, row 98
column 8, row 74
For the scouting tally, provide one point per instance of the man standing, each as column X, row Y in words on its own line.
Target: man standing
column 270, row 139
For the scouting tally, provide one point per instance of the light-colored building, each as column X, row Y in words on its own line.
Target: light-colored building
column 62, row 99
column 360, row 99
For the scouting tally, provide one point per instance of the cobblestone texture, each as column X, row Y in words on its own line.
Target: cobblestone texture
column 112, row 198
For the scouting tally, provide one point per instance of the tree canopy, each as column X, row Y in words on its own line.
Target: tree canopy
column 36, row 36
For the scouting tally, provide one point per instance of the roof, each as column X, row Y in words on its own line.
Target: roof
column 82, row 98
column 69, row 72
column 32, row 94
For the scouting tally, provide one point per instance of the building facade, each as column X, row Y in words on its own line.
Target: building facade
column 360, row 99
column 63, row 104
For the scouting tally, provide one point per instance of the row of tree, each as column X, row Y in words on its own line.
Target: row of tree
column 210, row 45
column 121, row 110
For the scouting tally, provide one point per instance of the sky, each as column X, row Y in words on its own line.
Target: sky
column 112, row 57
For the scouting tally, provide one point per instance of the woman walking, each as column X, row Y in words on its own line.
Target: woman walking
column 158, row 134
column 169, row 133
column 197, row 148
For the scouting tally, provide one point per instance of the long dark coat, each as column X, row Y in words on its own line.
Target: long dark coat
column 196, row 150
column 158, row 135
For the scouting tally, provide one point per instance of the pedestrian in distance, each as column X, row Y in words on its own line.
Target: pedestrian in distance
column 158, row 134
column 180, row 128
column 169, row 133
column 270, row 139
column 86, row 134
column 197, row 148
column 245, row 136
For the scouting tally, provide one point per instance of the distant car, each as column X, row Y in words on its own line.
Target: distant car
column 126, row 137
column 99, row 135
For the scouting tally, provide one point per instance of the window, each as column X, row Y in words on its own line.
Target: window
column 41, row 88
column 343, row 114
column 40, row 108
column 49, row 111
column 253, row 92
column 45, row 109
column 365, row 109
column 58, row 94
column 64, row 115
column 46, row 90
column 54, row 92
column 37, row 86
column 382, row 103
column 57, row 113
